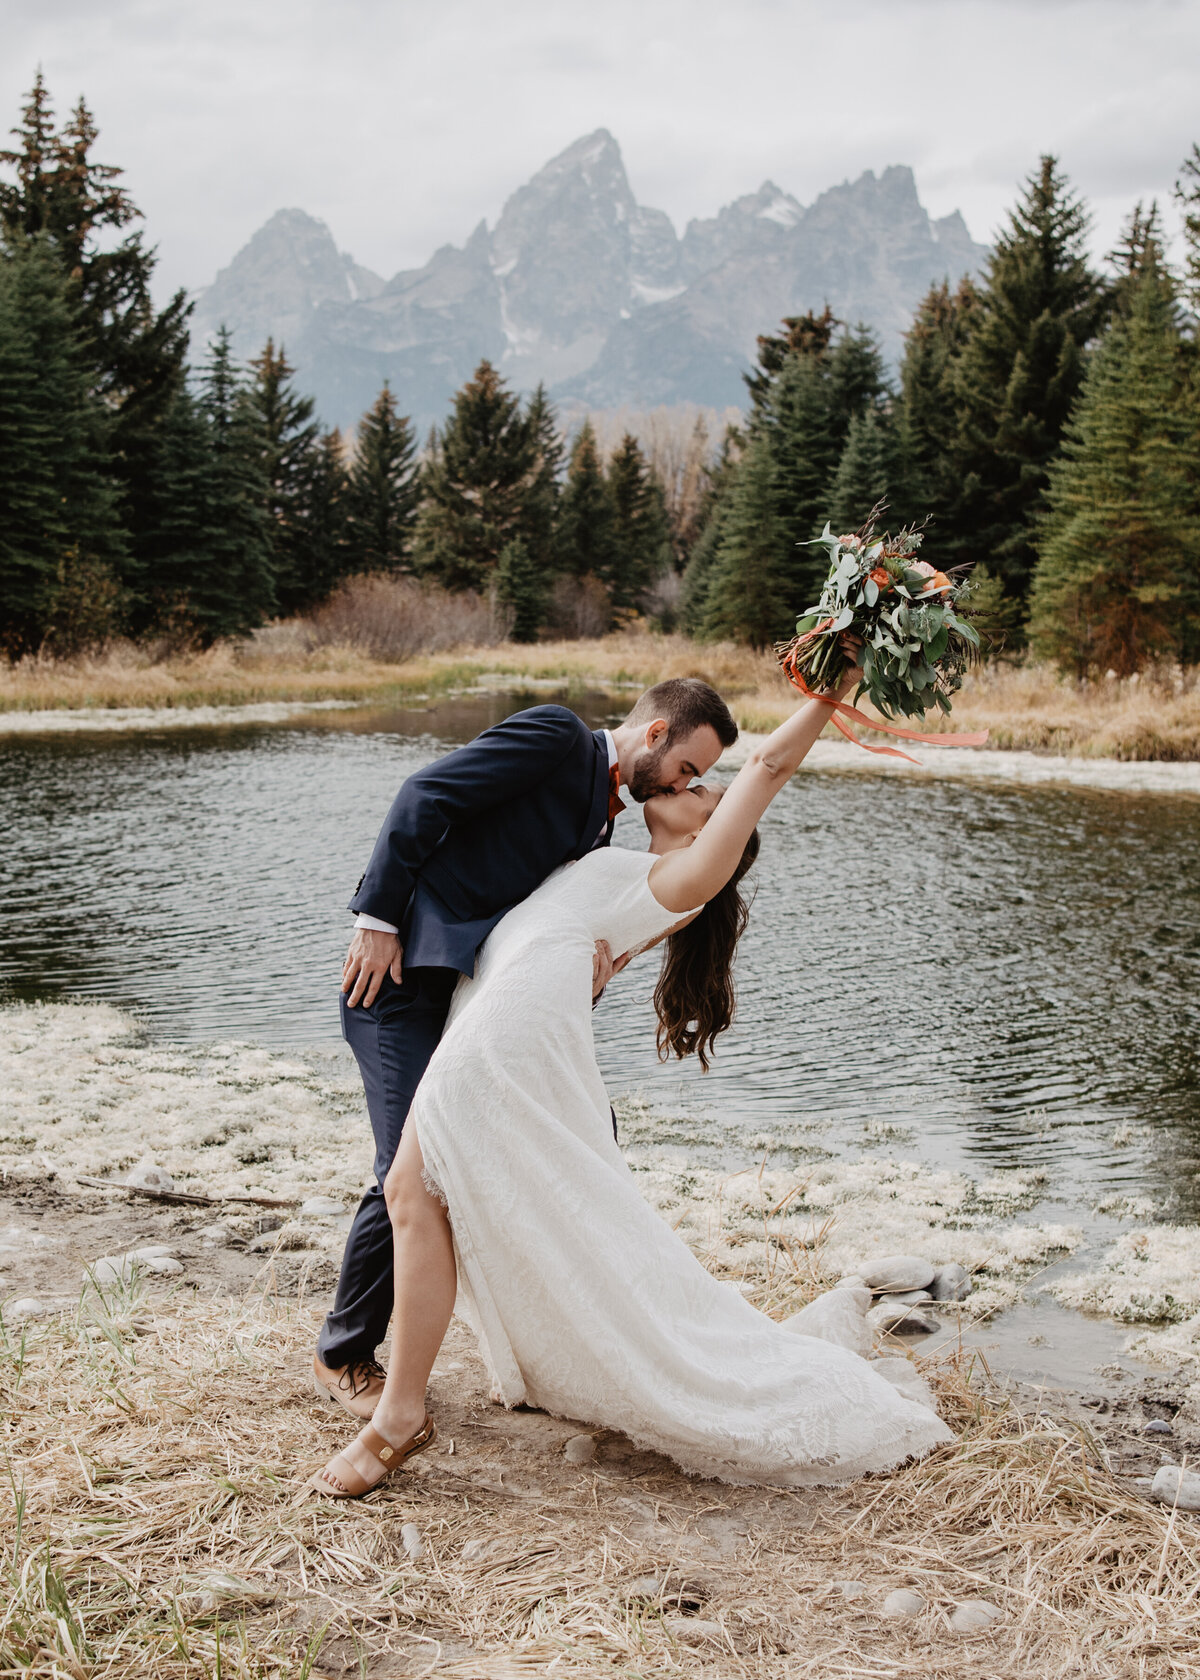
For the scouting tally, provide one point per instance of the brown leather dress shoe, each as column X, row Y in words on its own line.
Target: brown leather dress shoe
column 355, row 1388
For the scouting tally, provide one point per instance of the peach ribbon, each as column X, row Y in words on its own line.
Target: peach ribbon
column 836, row 707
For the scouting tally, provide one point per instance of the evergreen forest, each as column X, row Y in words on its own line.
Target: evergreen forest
column 1044, row 420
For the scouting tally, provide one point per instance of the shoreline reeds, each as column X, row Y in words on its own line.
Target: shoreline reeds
column 1028, row 708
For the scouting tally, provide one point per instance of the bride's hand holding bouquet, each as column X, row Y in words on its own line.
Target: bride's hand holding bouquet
column 887, row 626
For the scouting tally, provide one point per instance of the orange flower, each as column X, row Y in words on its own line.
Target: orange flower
column 882, row 577
column 940, row 581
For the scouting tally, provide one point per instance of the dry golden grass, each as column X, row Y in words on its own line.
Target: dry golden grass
column 1029, row 708
column 156, row 1527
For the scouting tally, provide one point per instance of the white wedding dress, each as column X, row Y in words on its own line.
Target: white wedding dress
column 584, row 1301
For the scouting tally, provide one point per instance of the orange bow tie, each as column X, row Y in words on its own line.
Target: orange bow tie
column 615, row 802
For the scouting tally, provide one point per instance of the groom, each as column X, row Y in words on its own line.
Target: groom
column 466, row 839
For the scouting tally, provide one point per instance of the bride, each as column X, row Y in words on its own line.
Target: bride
column 509, row 1193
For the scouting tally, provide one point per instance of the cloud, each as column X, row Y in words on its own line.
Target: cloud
column 401, row 125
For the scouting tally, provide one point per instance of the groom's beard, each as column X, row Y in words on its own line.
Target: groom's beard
column 645, row 779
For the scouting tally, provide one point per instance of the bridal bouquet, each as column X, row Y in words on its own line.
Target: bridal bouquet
column 913, row 647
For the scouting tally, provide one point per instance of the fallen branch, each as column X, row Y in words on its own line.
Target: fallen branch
column 194, row 1200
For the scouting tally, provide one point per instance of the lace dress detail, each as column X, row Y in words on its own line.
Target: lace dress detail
column 584, row 1301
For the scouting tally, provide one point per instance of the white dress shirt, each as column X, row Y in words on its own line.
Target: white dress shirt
column 378, row 926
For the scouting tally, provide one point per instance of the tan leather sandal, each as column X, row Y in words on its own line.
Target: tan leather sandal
column 340, row 1480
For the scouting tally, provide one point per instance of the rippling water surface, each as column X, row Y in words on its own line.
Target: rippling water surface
column 1012, row 974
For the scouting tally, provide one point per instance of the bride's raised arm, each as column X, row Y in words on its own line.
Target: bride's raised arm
column 690, row 876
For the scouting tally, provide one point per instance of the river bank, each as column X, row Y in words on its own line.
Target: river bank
column 1027, row 709
column 172, row 1415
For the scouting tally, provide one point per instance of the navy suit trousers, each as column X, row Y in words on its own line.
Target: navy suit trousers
column 392, row 1042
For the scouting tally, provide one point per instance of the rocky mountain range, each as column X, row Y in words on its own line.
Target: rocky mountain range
column 579, row 286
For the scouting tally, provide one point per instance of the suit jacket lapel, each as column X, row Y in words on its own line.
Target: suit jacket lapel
column 598, row 810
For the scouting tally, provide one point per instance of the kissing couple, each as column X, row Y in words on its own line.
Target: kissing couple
column 486, row 922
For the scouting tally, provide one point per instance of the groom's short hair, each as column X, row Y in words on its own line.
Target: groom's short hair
column 687, row 704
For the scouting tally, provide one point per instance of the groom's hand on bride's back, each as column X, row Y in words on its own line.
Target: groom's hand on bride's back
column 371, row 955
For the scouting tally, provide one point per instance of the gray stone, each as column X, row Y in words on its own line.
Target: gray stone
column 320, row 1206
column 838, row 1316
column 904, row 1376
column 973, row 1615
column 1173, row 1486
column 950, row 1283
column 412, row 1541
column 900, row 1320
column 112, row 1269
column 148, row 1175
column 18, row 1312
column 645, row 1586
column 850, row 1589
column 851, row 1281
column 580, row 1449
column 906, row 1298
column 894, row 1273
column 692, row 1630
column 1158, row 1426
column 902, row 1602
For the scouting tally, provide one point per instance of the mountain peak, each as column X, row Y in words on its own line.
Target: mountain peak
column 582, row 288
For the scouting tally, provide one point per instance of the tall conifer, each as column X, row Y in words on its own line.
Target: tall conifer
column 923, row 481
column 232, row 590
column 477, row 483
column 861, row 479
column 587, row 519
column 61, row 544
column 291, row 463
column 1018, row 376
column 383, row 491
column 748, row 594
column 1120, row 535
column 540, row 519
column 135, row 353
column 642, row 550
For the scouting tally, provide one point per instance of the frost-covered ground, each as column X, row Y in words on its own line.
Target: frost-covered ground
column 82, row 1091
column 1021, row 768
column 1150, row 1276
column 103, row 720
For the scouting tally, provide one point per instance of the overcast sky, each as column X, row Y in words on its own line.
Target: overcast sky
column 401, row 123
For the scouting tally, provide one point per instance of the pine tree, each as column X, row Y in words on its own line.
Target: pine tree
column 1018, row 376
column 540, row 518
column 521, row 585
column 1139, row 248
column 232, row 589
column 61, row 545
column 135, row 353
column 809, row 335
column 642, row 548
column 1187, row 196
column 587, row 535
column 698, row 574
column 861, row 479
column 327, row 526
column 1120, row 535
column 384, row 490
column 748, row 594
column 477, row 484
column 291, row 463
column 923, row 482
column 810, row 384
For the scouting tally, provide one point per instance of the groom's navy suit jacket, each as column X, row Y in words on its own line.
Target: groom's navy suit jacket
column 475, row 832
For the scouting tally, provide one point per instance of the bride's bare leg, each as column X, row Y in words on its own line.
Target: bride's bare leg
column 426, row 1283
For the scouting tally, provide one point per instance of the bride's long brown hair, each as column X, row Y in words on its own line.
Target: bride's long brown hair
column 694, row 998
